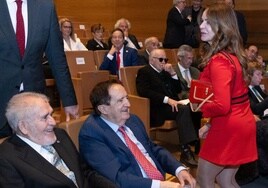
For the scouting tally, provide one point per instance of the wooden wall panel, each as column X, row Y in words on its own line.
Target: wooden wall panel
column 148, row 17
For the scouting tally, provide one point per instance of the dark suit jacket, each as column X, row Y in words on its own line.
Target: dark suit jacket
column 256, row 106
column 143, row 57
column 131, row 37
column 175, row 29
column 194, row 72
column 130, row 58
column 105, row 152
column 43, row 36
column 94, row 45
column 242, row 26
column 156, row 86
column 21, row 166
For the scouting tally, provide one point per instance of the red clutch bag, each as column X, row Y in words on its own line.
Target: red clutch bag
column 200, row 91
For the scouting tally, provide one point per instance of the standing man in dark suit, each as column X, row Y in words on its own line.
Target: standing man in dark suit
column 25, row 160
column 241, row 21
column 176, row 22
column 105, row 144
column 159, row 82
column 21, row 59
column 119, row 55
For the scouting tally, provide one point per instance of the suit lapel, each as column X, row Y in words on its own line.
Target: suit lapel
column 33, row 8
column 34, row 159
column 7, row 29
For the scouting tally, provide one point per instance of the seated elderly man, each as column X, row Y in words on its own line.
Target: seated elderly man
column 150, row 44
column 38, row 154
column 159, row 82
column 115, row 143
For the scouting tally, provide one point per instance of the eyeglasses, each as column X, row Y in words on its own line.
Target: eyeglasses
column 161, row 59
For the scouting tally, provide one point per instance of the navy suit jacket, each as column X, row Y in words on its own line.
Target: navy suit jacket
column 21, row 166
column 44, row 36
column 130, row 58
column 104, row 151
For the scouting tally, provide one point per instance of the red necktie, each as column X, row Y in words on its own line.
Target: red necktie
column 118, row 60
column 149, row 169
column 20, row 33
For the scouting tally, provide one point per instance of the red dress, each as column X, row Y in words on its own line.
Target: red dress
column 231, row 139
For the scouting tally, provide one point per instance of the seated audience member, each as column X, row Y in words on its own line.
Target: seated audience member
column 116, row 144
column 70, row 41
column 259, row 106
column 186, row 72
column 150, row 44
column 119, row 55
column 38, row 154
column 130, row 39
column 252, row 53
column 159, row 82
column 184, row 69
column 96, row 43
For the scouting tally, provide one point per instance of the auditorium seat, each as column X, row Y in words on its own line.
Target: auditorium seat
column 128, row 76
column 79, row 61
column 73, row 127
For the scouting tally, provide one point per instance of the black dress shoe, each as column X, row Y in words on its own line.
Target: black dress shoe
column 187, row 157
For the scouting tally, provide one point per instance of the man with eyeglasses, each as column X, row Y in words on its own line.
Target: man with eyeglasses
column 159, row 82
column 176, row 22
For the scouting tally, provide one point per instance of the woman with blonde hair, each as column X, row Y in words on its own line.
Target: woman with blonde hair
column 230, row 137
column 71, row 42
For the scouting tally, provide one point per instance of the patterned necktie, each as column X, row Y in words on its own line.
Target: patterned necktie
column 187, row 78
column 149, row 169
column 59, row 164
column 118, row 60
column 20, row 32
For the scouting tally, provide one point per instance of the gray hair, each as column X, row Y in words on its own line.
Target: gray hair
column 175, row 2
column 183, row 49
column 116, row 25
column 19, row 108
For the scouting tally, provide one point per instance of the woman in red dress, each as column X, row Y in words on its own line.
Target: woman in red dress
column 231, row 135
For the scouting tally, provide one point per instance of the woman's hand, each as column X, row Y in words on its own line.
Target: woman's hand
column 203, row 131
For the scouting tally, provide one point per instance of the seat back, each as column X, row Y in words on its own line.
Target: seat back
column 98, row 56
column 79, row 61
column 73, row 127
column 172, row 56
column 83, row 85
column 140, row 106
column 128, row 75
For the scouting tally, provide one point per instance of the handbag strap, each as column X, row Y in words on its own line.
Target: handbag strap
column 201, row 104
